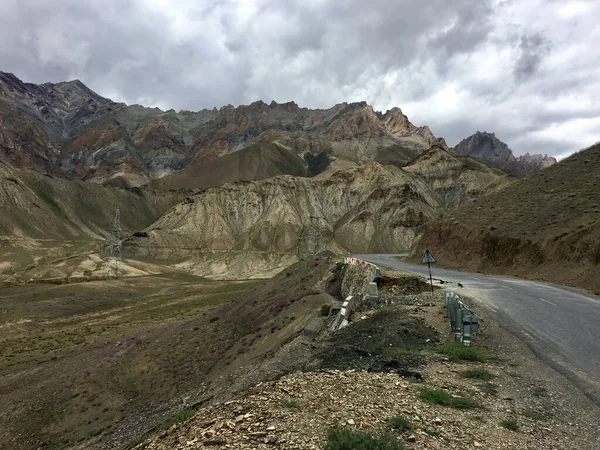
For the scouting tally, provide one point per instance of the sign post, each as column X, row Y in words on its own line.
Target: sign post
column 428, row 259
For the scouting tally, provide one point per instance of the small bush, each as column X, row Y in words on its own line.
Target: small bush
column 510, row 424
column 291, row 403
column 347, row 439
column 540, row 391
column 533, row 414
column 213, row 319
column 455, row 351
column 477, row 373
column 181, row 416
column 400, row 423
column 399, row 352
column 440, row 397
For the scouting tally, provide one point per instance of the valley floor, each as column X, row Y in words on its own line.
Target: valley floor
column 79, row 360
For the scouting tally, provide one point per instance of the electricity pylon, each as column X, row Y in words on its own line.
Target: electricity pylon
column 113, row 266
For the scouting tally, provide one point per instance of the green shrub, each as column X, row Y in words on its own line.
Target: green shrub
column 347, row 439
column 510, row 424
column 213, row 319
column 533, row 414
column 181, row 416
column 477, row 373
column 440, row 397
column 401, row 423
column 399, row 352
column 455, row 351
column 291, row 403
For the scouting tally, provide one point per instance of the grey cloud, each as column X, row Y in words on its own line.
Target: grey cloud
column 533, row 48
column 406, row 53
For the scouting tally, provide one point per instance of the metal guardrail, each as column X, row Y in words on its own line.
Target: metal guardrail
column 369, row 293
column 463, row 321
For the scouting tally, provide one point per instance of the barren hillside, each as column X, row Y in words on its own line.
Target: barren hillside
column 546, row 226
column 255, row 162
column 46, row 217
column 370, row 208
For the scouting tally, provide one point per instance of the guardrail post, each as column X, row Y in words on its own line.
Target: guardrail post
column 467, row 330
column 452, row 313
column 446, row 300
column 458, row 323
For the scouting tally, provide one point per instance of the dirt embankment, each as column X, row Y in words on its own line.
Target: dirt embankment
column 545, row 226
column 96, row 364
column 571, row 260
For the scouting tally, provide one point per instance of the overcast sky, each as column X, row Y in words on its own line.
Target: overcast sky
column 527, row 70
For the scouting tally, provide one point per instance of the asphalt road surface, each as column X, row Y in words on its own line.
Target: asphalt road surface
column 561, row 325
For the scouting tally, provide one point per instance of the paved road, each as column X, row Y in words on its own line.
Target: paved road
column 561, row 325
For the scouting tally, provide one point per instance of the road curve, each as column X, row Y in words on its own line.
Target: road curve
column 561, row 325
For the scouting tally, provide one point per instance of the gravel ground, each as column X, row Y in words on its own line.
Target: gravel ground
column 296, row 411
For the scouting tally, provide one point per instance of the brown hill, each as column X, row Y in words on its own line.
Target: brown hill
column 545, row 226
column 255, row 162
column 45, row 217
column 242, row 229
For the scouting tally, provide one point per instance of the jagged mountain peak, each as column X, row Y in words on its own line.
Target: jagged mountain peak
column 487, row 147
column 534, row 163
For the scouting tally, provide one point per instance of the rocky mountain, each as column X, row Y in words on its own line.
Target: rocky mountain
column 243, row 228
column 67, row 129
column 247, row 228
column 535, row 163
column 487, row 147
column 550, row 230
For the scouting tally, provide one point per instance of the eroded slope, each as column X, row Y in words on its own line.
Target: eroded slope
column 370, row 208
column 546, row 226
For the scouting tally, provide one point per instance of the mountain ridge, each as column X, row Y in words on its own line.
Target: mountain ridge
column 66, row 129
column 88, row 137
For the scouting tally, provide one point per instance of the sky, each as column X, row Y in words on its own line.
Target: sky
column 527, row 70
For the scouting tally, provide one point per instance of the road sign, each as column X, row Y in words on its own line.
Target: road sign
column 428, row 258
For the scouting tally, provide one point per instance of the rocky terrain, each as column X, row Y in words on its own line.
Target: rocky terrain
column 235, row 229
column 238, row 230
column 95, row 364
column 550, row 231
column 487, row 147
column 514, row 401
column 66, row 129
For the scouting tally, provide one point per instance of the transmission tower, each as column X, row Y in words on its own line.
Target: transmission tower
column 113, row 266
